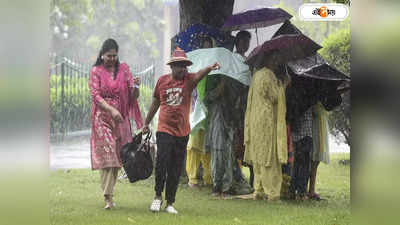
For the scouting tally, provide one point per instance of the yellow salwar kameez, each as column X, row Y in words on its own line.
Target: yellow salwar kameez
column 197, row 155
column 265, row 132
column 320, row 134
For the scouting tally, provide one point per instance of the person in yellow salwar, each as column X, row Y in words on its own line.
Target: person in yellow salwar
column 320, row 151
column 195, row 155
column 265, row 133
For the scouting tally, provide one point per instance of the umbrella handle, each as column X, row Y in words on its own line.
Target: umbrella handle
column 257, row 36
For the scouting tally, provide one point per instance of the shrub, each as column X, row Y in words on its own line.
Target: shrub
column 336, row 52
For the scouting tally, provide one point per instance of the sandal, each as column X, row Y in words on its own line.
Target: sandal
column 109, row 202
column 191, row 185
column 259, row 196
column 301, row 197
column 314, row 196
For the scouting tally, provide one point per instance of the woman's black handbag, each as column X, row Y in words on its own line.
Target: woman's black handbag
column 136, row 158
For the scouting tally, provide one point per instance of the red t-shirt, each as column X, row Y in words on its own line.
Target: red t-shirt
column 175, row 97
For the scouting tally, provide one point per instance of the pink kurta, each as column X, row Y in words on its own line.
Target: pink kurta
column 107, row 136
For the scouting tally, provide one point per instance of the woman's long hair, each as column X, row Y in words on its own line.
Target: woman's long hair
column 107, row 46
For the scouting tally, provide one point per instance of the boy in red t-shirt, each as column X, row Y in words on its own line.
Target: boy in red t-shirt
column 172, row 95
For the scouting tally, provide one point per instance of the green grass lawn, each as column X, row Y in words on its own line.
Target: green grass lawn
column 76, row 198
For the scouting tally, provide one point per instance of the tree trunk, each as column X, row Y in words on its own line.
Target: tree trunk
column 208, row 12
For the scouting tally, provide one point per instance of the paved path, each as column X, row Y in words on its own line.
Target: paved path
column 77, row 154
column 72, row 155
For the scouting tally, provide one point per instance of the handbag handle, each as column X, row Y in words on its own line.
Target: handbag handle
column 145, row 142
column 148, row 136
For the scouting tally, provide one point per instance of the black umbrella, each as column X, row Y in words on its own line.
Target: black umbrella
column 287, row 28
column 316, row 67
column 313, row 80
column 289, row 47
column 256, row 18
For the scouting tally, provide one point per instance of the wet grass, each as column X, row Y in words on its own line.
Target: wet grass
column 76, row 198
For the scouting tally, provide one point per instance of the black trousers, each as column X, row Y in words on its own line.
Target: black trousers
column 302, row 165
column 171, row 153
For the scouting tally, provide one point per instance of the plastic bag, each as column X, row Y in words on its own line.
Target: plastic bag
column 136, row 158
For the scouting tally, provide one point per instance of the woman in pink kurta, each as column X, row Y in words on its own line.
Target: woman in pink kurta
column 114, row 100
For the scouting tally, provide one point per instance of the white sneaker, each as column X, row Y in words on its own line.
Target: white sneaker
column 156, row 205
column 171, row 209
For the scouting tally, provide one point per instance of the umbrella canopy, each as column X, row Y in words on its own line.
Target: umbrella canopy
column 305, row 92
column 232, row 64
column 288, row 47
column 316, row 67
column 235, row 73
column 287, row 28
column 313, row 80
column 191, row 38
column 250, row 19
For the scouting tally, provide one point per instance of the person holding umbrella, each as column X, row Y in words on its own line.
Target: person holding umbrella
column 221, row 106
column 256, row 18
column 207, row 42
column 265, row 134
column 242, row 42
column 172, row 95
column 196, row 152
column 314, row 91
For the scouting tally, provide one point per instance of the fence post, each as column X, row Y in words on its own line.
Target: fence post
column 62, row 100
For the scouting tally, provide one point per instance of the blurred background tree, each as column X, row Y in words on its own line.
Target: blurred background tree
column 334, row 36
column 336, row 51
column 347, row 2
column 208, row 12
column 79, row 27
column 316, row 30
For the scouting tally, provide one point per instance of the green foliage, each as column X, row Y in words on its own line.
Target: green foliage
column 145, row 98
column 71, row 12
column 334, row 36
column 136, row 25
column 140, row 4
column 316, row 30
column 346, row 2
column 93, row 41
column 76, row 101
column 336, row 51
column 380, row 48
column 75, row 198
